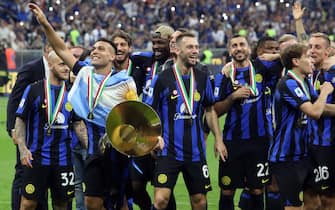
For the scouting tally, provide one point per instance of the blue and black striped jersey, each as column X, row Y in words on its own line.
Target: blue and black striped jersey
column 291, row 124
column 323, row 130
column 47, row 149
column 182, row 132
column 248, row 119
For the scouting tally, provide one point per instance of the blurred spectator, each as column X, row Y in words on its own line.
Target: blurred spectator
column 83, row 21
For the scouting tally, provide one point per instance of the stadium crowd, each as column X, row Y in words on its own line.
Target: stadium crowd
column 82, row 22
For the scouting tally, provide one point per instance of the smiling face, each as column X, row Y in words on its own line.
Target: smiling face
column 161, row 48
column 102, row 54
column 318, row 50
column 239, row 49
column 58, row 69
column 123, row 50
column 187, row 50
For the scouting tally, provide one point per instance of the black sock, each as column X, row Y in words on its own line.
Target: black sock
column 226, row 202
column 257, row 201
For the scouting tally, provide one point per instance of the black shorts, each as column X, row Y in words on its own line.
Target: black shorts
column 142, row 168
column 106, row 174
column 323, row 168
column 247, row 165
column 292, row 178
column 196, row 175
column 37, row 180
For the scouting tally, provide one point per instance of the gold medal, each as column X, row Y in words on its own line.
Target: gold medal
column 235, row 85
column 49, row 131
column 90, row 116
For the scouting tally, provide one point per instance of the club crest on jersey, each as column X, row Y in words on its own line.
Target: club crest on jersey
column 197, row 96
column 259, row 78
column 299, row 92
column 68, row 106
column 317, row 85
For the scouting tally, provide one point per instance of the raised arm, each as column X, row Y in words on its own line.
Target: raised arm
column 55, row 41
column 298, row 13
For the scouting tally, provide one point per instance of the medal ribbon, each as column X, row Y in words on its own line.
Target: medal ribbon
column 315, row 80
column 252, row 83
column 93, row 101
column 301, row 83
column 130, row 66
column 154, row 68
column 51, row 115
column 188, row 98
column 283, row 72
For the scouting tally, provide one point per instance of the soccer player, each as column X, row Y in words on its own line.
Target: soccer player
column 181, row 95
column 29, row 73
column 240, row 92
column 96, row 90
column 295, row 103
column 42, row 133
column 142, row 167
column 322, row 146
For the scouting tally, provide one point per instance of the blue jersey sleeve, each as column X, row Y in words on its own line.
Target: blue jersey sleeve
column 152, row 95
column 222, row 87
column 292, row 93
column 209, row 94
column 24, row 105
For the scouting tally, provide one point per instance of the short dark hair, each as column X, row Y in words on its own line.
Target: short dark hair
column 108, row 41
column 182, row 35
column 291, row 52
column 237, row 36
column 124, row 35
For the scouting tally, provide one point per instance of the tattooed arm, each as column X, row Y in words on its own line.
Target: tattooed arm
column 81, row 131
column 298, row 12
column 20, row 134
